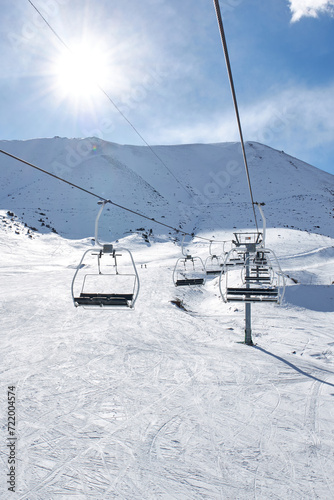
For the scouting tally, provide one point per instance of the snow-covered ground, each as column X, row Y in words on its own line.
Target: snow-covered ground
column 160, row 402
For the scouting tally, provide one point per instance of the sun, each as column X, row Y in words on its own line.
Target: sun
column 80, row 71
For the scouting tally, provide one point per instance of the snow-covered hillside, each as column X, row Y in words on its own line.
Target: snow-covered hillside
column 163, row 402
column 200, row 187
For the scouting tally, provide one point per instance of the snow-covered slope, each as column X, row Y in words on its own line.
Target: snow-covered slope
column 200, row 187
column 163, row 402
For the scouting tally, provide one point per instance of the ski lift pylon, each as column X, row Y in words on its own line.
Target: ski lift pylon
column 100, row 280
column 189, row 270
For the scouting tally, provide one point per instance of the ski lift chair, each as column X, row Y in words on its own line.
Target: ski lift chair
column 256, row 283
column 106, row 277
column 214, row 263
column 235, row 257
column 188, row 270
column 262, row 279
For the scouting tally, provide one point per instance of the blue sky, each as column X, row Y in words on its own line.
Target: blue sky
column 162, row 63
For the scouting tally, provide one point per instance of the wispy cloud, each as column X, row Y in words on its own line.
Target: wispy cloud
column 310, row 8
column 298, row 118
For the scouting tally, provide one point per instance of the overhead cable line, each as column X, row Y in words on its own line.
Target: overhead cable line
column 49, row 25
column 102, row 198
column 229, row 71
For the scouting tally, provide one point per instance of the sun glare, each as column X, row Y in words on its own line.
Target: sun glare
column 80, row 72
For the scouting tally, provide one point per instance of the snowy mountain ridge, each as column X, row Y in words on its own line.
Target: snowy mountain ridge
column 199, row 187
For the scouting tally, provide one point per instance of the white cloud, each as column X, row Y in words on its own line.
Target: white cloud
column 297, row 120
column 310, row 8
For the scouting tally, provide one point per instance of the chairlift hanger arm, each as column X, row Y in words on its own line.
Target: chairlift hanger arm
column 210, row 253
column 182, row 247
column 102, row 203
column 264, row 224
column 216, row 255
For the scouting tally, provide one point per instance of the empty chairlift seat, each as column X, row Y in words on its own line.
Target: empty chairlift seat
column 107, row 278
column 189, row 271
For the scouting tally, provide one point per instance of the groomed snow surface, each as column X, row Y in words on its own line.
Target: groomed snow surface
column 162, row 403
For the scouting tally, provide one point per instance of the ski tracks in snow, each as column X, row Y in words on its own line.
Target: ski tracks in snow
column 164, row 404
